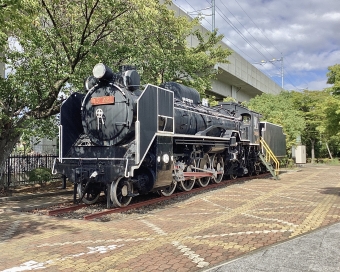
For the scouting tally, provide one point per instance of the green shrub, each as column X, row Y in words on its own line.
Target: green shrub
column 287, row 163
column 40, row 175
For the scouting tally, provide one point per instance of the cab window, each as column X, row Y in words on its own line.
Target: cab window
column 246, row 119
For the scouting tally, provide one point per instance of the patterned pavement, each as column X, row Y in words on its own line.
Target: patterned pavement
column 192, row 235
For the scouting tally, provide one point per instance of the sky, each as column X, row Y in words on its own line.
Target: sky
column 302, row 36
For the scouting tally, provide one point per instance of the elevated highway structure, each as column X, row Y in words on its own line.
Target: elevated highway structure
column 238, row 79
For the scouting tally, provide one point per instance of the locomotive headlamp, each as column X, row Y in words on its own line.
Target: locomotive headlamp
column 101, row 71
column 166, row 158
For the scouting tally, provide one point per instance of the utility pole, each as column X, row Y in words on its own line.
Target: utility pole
column 281, row 59
column 213, row 14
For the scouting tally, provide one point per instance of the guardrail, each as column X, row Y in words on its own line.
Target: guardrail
column 272, row 163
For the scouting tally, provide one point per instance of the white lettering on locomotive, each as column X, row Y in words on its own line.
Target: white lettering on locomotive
column 188, row 100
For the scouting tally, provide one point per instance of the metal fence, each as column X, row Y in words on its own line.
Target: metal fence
column 17, row 168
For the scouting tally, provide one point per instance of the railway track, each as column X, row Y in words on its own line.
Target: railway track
column 144, row 203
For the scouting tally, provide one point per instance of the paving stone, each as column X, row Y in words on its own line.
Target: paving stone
column 193, row 235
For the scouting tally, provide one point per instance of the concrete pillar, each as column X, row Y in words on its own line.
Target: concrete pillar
column 234, row 91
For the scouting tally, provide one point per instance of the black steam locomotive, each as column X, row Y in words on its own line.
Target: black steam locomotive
column 125, row 142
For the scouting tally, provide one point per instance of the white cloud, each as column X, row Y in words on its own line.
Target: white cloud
column 305, row 31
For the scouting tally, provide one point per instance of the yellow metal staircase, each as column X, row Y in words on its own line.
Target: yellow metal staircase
column 269, row 159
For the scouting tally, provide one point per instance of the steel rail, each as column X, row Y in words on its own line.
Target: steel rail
column 165, row 198
column 66, row 209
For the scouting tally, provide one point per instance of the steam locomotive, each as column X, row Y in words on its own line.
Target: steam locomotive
column 126, row 142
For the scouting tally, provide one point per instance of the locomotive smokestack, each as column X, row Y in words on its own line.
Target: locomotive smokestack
column 101, row 71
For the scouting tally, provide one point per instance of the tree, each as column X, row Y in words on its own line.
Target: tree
column 322, row 118
column 334, row 78
column 330, row 126
column 309, row 104
column 53, row 45
column 279, row 109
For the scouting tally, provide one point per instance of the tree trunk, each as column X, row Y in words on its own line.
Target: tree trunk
column 8, row 139
column 329, row 152
column 313, row 150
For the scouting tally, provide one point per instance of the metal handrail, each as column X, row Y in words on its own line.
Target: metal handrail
column 269, row 156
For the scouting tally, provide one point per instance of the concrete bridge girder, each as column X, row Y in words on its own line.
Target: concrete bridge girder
column 242, row 82
column 239, row 79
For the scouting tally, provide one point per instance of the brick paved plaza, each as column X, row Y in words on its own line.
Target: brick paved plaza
column 192, row 235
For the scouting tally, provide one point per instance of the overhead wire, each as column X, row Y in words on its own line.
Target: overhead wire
column 226, row 19
column 239, row 32
column 264, row 35
column 235, row 28
column 246, row 29
column 209, row 23
column 272, row 61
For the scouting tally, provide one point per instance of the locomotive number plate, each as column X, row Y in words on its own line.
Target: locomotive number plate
column 102, row 100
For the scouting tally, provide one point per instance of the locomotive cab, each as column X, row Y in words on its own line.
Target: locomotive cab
column 250, row 121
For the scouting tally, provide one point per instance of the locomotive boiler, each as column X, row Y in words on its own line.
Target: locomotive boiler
column 125, row 142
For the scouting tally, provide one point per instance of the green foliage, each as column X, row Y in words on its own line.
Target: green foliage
column 40, row 175
column 57, row 43
column 331, row 109
column 287, row 163
column 309, row 103
column 50, row 46
column 8, row 9
column 230, row 99
column 279, row 109
column 334, row 78
column 313, row 115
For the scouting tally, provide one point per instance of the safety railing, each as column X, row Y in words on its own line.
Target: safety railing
column 270, row 158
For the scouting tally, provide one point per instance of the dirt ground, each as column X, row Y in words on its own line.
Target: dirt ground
column 23, row 189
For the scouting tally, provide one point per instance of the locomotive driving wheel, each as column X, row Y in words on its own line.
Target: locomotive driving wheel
column 168, row 191
column 119, row 192
column 203, row 163
column 187, row 184
column 90, row 196
column 218, row 166
column 233, row 176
